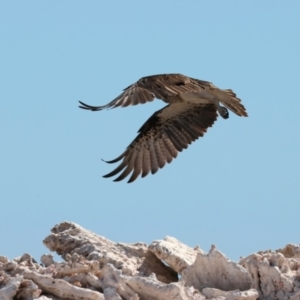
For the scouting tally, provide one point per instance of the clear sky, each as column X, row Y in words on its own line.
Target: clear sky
column 238, row 187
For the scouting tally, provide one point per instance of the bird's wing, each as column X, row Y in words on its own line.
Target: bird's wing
column 148, row 88
column 166, row 86
column 132, row 95
column 167, row 132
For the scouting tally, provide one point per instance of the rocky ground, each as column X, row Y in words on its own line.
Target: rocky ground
column 97, row 268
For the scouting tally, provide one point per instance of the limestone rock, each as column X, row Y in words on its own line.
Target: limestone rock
column 216, row 271
column 97, row 268
column 273, row 274
column 71, row 241
column 212, row 293
column 177, row 255
column 62, row 288
column 199, row 269
column 9, row 286
column 290, row 251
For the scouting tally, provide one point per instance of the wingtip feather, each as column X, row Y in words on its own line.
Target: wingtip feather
column 90, row 107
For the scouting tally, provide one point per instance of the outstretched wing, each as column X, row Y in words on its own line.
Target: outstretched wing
column 167, row 132
column 146, row 89
column 132, row 95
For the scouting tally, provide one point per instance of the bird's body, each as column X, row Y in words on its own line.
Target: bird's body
column 192, row 108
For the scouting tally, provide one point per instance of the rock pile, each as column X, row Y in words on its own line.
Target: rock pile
column 97, row 268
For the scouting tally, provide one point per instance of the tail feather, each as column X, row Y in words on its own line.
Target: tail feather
column 234, row 104
column 229, row 99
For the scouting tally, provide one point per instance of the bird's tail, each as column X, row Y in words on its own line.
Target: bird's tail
column 229, row 99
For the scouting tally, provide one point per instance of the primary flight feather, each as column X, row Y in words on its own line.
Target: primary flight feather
column 192, row 108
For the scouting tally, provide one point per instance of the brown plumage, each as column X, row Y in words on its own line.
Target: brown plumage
column 192, row 108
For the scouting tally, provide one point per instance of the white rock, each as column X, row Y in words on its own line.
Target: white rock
column 109, row 276
column 177, row 255
column 97, row 268
column 216, row 271
column 3, row 259
column 28, row 290
column 212, row 293
column 152, row 289
column 110, row 293
column 11, row 288
column 69, row 239
column 251, row 294
column 61, row 288
column 273, row 274
column 290, row 250
column 47, row 260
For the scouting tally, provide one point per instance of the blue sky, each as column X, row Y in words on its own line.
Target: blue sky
column 238, row 187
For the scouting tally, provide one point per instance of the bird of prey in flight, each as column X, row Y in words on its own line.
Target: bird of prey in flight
column 192, row 107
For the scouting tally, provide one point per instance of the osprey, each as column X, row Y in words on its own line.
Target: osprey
column 192, row 108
